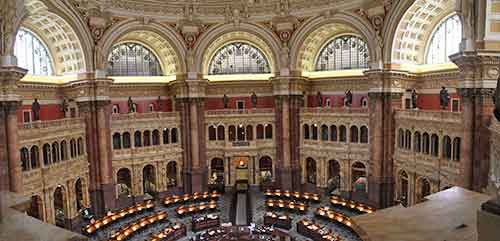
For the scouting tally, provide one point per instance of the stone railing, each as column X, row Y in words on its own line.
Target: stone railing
column 61, row 123
column 240, row 111
column 153, row 120
column 147, row 150
column 430, row 115
column 329, row 110
column 139, row 116
column 46, row 129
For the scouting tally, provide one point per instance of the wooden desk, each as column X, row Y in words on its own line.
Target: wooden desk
column 278, row 221
column 113, row 217
column 130, row 230
column 333, row 216
column 316, row 232
column 312, row 197
column 186, row 198
column 196, row 208
column 353, row 205
column 289, row 205
column 172, row 232
column 205, row 222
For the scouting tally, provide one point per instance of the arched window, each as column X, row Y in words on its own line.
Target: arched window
column 343, row 134
column 417, row 142
column 314, row 132
column 174, row 135
column 156, row 138
column 166, row 135
column 55, row 152
column 249, row 133
column 72, row 148
column 456, row 149
column 260, row 131
column 133, row 59
column 403, row 190
column 238, row 58
column 240, row 130
column 64, row 151
column 445, row 40
column 117, row 141
column 137, row 139
column 434, row 145
column 266, row 169
column 408, row 139
column 79, row 194
column 35, row 160
column 212, row 133
column 147, row 138
column 425, row 143
column 46, row 154
column 401, row 138
column 172, row 174
column 126, row 140
column 123, row 182
column 311, row 170
column 221, row 133
column 116, row 109
column 364, row 134
column 32, row 54
column 354, row 134
column 358, row 173
column 269, row 131
column 324, row 133
column 306, row 132
column 447, row 147
column 25, row 159
column 149, row 179
column 343, row 52
column 80, row 149
column 333, row 133
column 232, row 133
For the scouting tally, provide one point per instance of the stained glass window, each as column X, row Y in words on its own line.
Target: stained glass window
column 445, row 41
column 32, row 54
column 239, row 58
column 343, row 52
column 132, row 59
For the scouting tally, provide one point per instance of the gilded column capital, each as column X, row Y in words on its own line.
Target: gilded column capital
column 389, row 81
column 478, row 69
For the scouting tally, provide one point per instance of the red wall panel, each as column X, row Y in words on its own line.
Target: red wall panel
column 47, row 112
column 218, row 103
column 335, row 100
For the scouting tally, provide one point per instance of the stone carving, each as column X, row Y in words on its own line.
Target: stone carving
column 253, row 99
column 35, row 108
column 319, row 100
column 444, row 98
column 414, row 97
column 225, row 100
column 348, row 99
column 131, row 105
column 64, row 107
column 497, row 100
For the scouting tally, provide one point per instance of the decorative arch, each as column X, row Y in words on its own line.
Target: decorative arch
column 160, row 39
column 410, row 37
column 68, row 42
column 220, row 35
column 124, row 182
column 61, row 210
column 317, row 32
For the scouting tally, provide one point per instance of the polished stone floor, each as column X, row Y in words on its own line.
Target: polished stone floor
column 256, row 203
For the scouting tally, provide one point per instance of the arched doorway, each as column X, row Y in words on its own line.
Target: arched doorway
column 123, row 182
column 359, row 181
column 171, row 174
column 217, row 171
column 266, row 170
column 79, row 195
column 424, row 190
column 403, row 188
column 148, row 180
column 60, row 207
column 311, row 171
column 333, row 175
column 36, row 207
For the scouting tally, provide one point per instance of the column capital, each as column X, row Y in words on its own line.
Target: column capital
column 389, row 81
column 288, row 85
column 9, row 78
column 478, row 69
column 189, row 88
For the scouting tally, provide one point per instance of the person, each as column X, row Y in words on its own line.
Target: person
column 414, row 97
column 131, row 106
column 253, row 99
column 348, row 98
column 35, row 108
column 443, row 98
column 225, row 99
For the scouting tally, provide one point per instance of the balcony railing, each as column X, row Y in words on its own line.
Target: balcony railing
column 329, row 110
column 149, row 115
column 240, row 111
column 61, row 123
column 430, row 115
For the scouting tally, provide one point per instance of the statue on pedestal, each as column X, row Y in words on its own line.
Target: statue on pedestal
column 64, row 107
column 35, row 108
column 414, row 97
column 131, row 105
column 158, row 103
column 319, row 99
column 253, row 99
column 225, row 100
column 348, row 99
column 444, row 98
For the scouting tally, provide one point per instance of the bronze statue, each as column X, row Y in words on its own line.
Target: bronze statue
column 35, row 108
column 348, row 98
column 253, row 99
column 64, row 107
column 131, row 105
column 158, row 103
column 414, row 97
column 319, row 99
column 225, row 100
column 444, row 98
